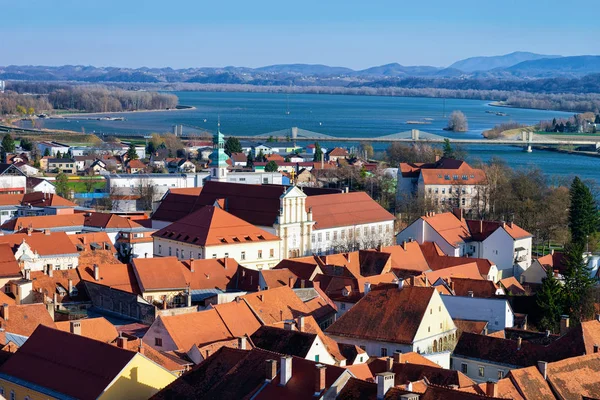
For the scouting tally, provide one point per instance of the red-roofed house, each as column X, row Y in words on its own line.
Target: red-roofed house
column 505, row 244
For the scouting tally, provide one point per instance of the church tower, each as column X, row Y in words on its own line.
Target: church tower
column 218, row 158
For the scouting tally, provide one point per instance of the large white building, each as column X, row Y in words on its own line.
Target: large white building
column 212, row 232
column 447, row 183
column 505, row 244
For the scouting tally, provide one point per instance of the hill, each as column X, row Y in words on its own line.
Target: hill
column 576, row 66
column 474, row 64
column 395, row 70
column 306, row 69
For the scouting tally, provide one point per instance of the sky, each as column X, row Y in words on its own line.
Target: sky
column 354, row 34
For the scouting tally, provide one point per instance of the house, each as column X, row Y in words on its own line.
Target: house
column 438, row 260
column 400, row 319
column 64, row 165
column 27, row 169
column 447, row 183
column 337, row 153
column 180, row 165
column 293, row 343
column 37, row 251
column 239, row 159
column 212, row 232
column 12, row 179
column 258, row 374
column 539, row 268
column 69, row 223
column 497, row 312
column 114, row 226
column 20, row 321
column 136, row 167
column 39, row 185
column 506, row 245
column 135, row 244
column 52, row 148
column 98, row 167
column 94, row 248
column 51, row 360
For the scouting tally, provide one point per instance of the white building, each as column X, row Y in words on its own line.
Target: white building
column 12, row 179
column 43, row 251
column 447, row 182
column 497, row 312
column 505, row 244
column 211, row 232
column 53, row 148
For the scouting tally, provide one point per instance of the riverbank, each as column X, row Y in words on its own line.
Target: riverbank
column 92, row 114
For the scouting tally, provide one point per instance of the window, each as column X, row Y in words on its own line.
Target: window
column 316, row 357
column 343, row 234
column 12, row 395
column 260, row 254
column 159, row 249
column 464, row 368
column 243, row 255
column 383, row 352
column 335, row 235
column 320, row 236
column 149, row 299
column 312, row 238
column 437, row 190
column 463, row 201
column 440, row 325
column 500, row 374
column 158, row 342
column 272, row 253
column 214, row 256
column 380, row 228
column 430, row 311
column 387, row 229
column 366, row 231
column 443, row 190
column 342, row 306
column 170, row 251
column 242, row 179
column 183, row 254
column 177, row 253
column 429, row 190
column 450, row 190
column 428, row 329
column 226, row 255
column 481, row 372
column 372, row 230
column 326, row 235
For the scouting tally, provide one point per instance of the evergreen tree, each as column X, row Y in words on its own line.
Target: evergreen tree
column 549, row 299
column 250, row 161
column 150, row 148
column 578, row 284
column 46, row 152
column 62, row 185
column 260, row 157
column 583, row 212
column 232, row 145
column 318, row 152
column 8, row 143
column 131, row 153
column 448, row 150
column 271, row 166
column 58, row 154
column 597, row 120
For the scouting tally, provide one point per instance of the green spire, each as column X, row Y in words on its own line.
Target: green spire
column 218, row 158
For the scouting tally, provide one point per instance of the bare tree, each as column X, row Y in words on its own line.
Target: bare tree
column 147, row 193
column 457, row 122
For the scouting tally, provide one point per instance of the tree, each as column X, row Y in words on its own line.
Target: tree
column 232, row 145
column 58, row 154
column 271, row 139
column 549, row 300
column 366, row 150
column 583, row 212
column 26, row 144
column 8, row 143
column 132, row 153
column 62, row 186
column 31, row 111
column 448, row 150
column 181, row 153
column 597, row 120
column 150, row 148
column 318, row 152
column 260, row 157
column 250, row 161
column 271, row 166
column 46, row 152
column 457, row 122
column 578, row 284
column 147, row 192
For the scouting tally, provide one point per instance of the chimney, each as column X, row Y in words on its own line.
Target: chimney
column 564, row 324
column 76, row 327
column 29, row 230
column 470, row 293
column 164, row 303
column 400, row 284
column 122, row 342
column 270, row 370
column 480, row 225
column 503, row 224
column 70, row 286
column 192, row 265
column 188, row 297
column 288, row 325
column 27, row 273
column 47, row 232
column 367, row 287
column 491, row 389
column 543, row 368
column 291, row 282
column 320, row 378
column 385, row 381
column 5, row 311
column 398, row 357
column 141, row 347
column 285, row 370
column 485, row 330
column 519, row 340
column 50, row 270
column 242, row 342
column 389, row 363
column 225, row 262
column 84, row 239
column 96, row 272
column 300, row 323
column 551, row 251
column 452, row 286
column 458, row 213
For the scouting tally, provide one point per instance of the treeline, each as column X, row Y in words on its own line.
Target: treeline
column 13, row 103
column 92, row 99
column 578, row 123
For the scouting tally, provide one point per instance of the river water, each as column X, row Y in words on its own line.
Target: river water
column 339, row 115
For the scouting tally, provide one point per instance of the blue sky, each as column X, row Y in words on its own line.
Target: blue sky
column 356, row 34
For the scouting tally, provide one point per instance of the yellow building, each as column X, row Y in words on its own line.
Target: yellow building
column 59, row 365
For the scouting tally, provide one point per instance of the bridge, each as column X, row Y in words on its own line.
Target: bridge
column 526, row 138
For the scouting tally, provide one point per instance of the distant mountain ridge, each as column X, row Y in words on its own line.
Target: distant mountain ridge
column 513, row 66
column 488, row 63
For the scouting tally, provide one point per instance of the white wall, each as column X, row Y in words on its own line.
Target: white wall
column 490, row 370
column 421, row 231
column 323, row 241
column 158, row 330
column 319, row 349
column 497, row 312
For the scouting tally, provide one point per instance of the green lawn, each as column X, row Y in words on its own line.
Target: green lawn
column 79, row 187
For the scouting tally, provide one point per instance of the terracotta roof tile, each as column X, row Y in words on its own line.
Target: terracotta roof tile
column 283, row 341
column 39, row 199
column 11, row 199
column 346, row 209
column 276, row 305
column 93, row 328
column 576, row 377
column 170, row 363
column 44, row 245
column 437, row 260
column 9, row 268
column 58, row 283
column 24, row 319
column 470, row 271
column 116, row 276
column 479, row 288
column 471, row 326
column 54, row 359
column 480, row 230
column 530, row 383
column 512, row 285
column 406, row 372
column 44, row 222
column 407, row 256
column 451, row 229
column 390, row 315
column 109, row 221
column 212, row 226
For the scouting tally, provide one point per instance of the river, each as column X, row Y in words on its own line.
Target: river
column 342, row 115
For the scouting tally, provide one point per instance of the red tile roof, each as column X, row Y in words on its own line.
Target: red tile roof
column 39, row 199
column 239, row 157
column 338, row 152
column 212, row 226
column 9, row 268
column 406, row 372
column 276, row 305
column 24, row 319
column 460, row 271
column 444, row 172
column 54, row 360
column 450, row 228
column 512, row 285
column 44, row 245
column 44, row 222
column 94, row 328
column 576, row 377
column 109, row 221
column 481, row 230
column 116, row 276
column 480, row 288
column 437, row 260
column 390, row 315
column 554, row 260
column 471, row 326
column 346, row 209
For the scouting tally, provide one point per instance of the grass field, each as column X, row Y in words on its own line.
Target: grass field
column 80, row 186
